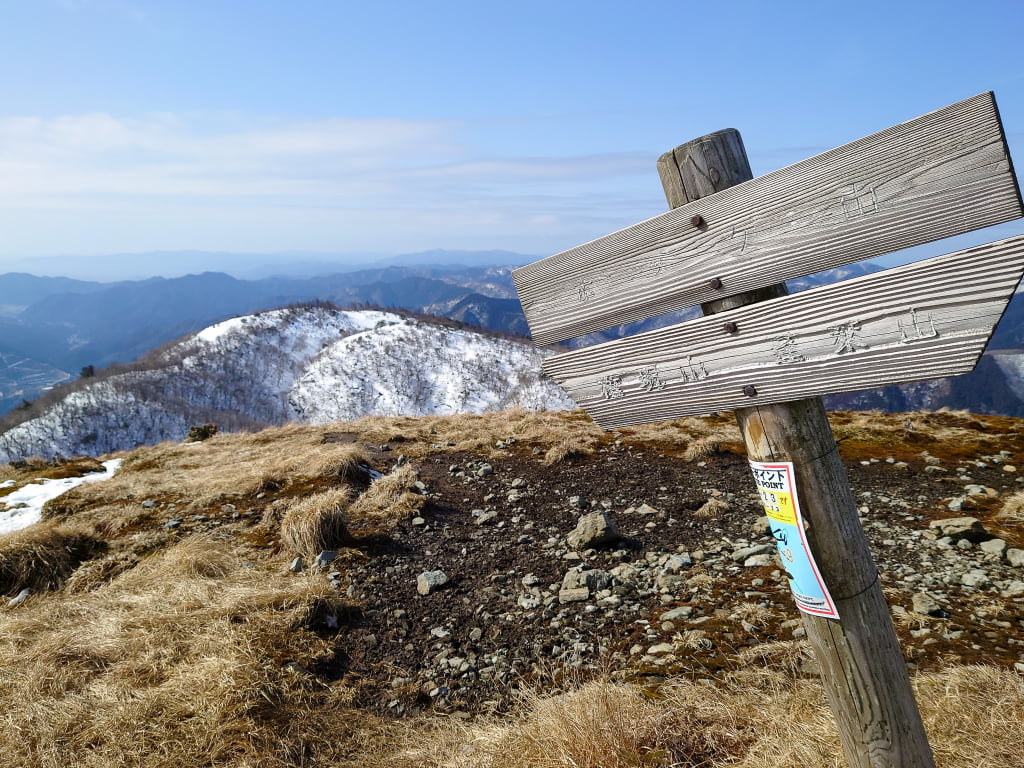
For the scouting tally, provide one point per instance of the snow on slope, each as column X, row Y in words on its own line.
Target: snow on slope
column 402, row 368
column 308, row 364
column 24, row 506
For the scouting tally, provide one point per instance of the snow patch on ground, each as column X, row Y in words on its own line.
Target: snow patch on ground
column 23, row 507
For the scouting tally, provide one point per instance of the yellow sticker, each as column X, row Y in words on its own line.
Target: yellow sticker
column 776, row 485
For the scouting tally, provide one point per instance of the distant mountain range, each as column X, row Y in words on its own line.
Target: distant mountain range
column 311, row 364
column 51, row 329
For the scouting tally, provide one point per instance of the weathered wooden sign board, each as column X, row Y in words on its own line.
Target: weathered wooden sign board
column 923, row 320
column 728, row 244
column 939, row 175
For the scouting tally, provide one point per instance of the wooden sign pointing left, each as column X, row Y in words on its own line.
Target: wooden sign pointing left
column 938, row 175
column 921, row 321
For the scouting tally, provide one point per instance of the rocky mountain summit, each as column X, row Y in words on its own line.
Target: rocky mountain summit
column 365, row 575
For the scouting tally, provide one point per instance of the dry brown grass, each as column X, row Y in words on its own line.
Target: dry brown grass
column 317, row 523
column 1013, row 508
column 712, row 508
column 601, row 725
column 758, row 718
column 42, row 556
column 181, row 660
column 702, row 448
column 390, row 499
column 570, row 448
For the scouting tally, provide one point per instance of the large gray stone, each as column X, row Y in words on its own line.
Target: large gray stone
column 746, row 552
column 927, row 605
column 430, row 581
column 593, row 579
column 593, row 530
column 969, row 528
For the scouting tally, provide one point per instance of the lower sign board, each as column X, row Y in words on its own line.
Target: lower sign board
column 925, row 320
column 776, row 485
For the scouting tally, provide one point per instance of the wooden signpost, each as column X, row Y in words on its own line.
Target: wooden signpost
column 728, row 243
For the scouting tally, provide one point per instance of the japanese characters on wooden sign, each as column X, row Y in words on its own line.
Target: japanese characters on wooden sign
column 924, row 320
column 939, row 175
column 945, row 173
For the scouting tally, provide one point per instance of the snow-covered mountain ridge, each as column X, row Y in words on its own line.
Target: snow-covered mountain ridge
column 311, row 364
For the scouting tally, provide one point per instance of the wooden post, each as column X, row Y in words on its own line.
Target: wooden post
column 862, row 667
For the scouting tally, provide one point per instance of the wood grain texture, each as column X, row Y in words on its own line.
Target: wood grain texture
column 920, row 321
column 938, row 175
column 862, row 667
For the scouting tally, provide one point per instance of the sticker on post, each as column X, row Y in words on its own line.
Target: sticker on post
column 777, row 487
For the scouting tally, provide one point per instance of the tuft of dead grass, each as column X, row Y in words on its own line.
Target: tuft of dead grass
column 569, row 448
column 389, row 499
column 702, row 448
column 1013, row 508
column 42, row 556
column 602, row 724
column 712, row 508
column 765, row 716
column 344, row 462
column 317, row 523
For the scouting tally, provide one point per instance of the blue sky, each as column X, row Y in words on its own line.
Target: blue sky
column 340, row 127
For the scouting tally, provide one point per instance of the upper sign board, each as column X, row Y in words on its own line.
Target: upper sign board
column 920, row 321
column 939, row 175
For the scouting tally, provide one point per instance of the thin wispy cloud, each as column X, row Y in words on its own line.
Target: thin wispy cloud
column 194, row 168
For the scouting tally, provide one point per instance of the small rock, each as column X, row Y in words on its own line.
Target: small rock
column 530, row 580
column 592, row 579
column 573, row 595
column 485, row 471
column 976, row 578
column 742, row 554
column 969, row 528
column 646, row 509
column 1015, row 557
column 1014, row 589
column 486, row 517
column 593, row 530
column 19, row 598
column 324, row 559
column 682, row 613
column 993, row 546
column 927, row 605
column 660, row 649
column 296, row 566
column 756, row 561
column 430, row 581
column 148, row 504
column 529, row 602
column 1009, row 468
column 676, row 563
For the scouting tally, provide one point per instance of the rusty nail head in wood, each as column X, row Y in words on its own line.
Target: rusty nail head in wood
column 697, row 221
column 731, row 327
column 715, row 283
column 750, row 390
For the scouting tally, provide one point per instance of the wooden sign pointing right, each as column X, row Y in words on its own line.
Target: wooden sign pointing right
column 920, row 321
column 939, row 175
